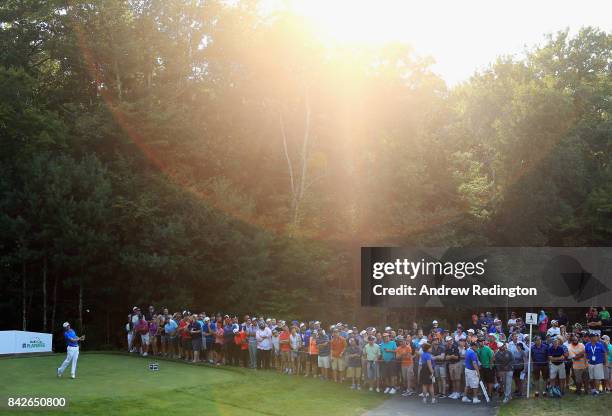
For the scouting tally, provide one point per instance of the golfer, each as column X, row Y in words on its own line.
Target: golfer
column 72, row 350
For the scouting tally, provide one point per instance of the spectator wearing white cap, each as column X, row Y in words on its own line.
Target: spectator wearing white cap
column 134, row 319
column 72, row 351
column 504, row 366
column 455, row 368
column 554, row 330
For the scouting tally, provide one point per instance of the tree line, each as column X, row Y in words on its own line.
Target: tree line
column 206, row 155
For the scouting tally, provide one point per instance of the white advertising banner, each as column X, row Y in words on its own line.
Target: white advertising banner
column 18, row 342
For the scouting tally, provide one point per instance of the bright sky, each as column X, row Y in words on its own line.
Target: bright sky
column 461, row 35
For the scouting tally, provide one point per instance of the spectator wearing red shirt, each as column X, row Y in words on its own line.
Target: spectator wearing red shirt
column 240, row 339
column 183, row 330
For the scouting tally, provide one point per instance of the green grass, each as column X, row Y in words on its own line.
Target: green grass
column 570, row 405
column 111, row 384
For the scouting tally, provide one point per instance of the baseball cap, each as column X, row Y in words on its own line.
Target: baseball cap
column 448, row 339
column 388, row 328
column 399, row 338
column 470, row 330
column 135, row 308
column 434, row 322
column 66, row 324
column 207, row 319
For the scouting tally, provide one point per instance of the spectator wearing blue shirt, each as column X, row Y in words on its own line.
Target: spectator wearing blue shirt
column 557, row 354
column 323, row 359
column 388, row 348
column 539, row 358
column 426, row 376
column 72, row 350
column 472, row 374
column 172, row 337
column 597, row 356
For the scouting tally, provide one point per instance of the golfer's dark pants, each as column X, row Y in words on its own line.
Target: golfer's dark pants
column 263, row 359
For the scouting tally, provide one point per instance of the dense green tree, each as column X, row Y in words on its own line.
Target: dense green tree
column 206, row 155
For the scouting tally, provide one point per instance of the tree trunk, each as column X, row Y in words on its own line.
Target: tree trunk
column 81, row 305
column 118, row 82
column 52, row 326
column 298, row 185
column 44, row 289
column 24, row 322
column 304, row 155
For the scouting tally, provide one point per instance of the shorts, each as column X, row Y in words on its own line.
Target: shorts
column 516, row 373
column 425, row 376
column 581, row 375
column 607, row 373
column 186, row 343
column 455, row 371
column 557, row 370
column 440, row 370
column 172, row 341
column 324, row 362
column 314, row 360
column 407, row 373
column 295, row 355
column 487, row 375
column 471, row 378
column 337, row 364
column 596, row 371
column 196, row 343
column 217, row 347
column 372, row 371
column 145, row 339
column 353, row 372
column 286, row 356
column 540, row 371
column 388, row 369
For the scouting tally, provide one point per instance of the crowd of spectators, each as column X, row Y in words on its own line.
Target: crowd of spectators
column 485, row 358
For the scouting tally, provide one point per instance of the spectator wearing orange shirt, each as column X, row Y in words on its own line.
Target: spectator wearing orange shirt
column 285, row 349
column 404, row 355
column 313, row 352
column 338, row 345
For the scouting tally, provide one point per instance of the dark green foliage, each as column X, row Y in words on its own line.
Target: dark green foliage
column 194, row 155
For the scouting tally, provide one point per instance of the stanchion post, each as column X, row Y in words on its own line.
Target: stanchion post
column 531, row 319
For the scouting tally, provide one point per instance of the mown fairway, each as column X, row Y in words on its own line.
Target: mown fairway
column 109, row 384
